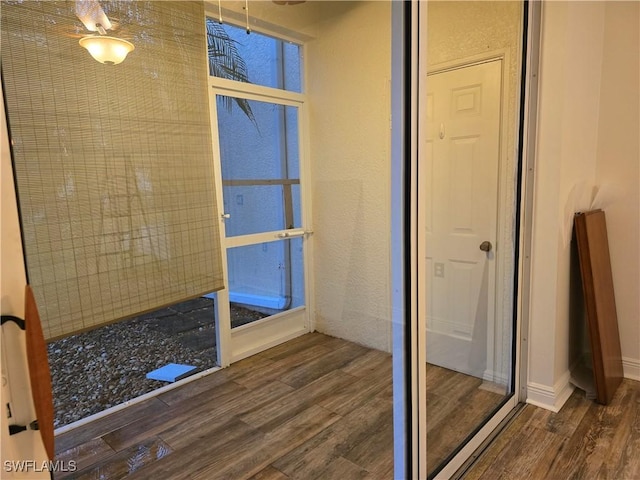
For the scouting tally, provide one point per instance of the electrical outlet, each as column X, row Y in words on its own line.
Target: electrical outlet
column 438, row 270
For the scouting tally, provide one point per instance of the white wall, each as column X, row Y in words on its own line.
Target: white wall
column 571, row 55
column 618, row 168
column 349, row 84
column 569, row 138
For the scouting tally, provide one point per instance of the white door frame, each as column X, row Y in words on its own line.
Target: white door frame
column 241, row 342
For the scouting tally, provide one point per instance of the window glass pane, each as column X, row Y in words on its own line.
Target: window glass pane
column 266, row 278
column 253, row 58
column 260, row 167
column 254, row 209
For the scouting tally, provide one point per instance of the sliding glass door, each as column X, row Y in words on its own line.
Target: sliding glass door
column 470, row 212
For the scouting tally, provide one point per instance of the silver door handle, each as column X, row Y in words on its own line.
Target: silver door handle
column 297, row 233
column 486, row 246
column 293, row 234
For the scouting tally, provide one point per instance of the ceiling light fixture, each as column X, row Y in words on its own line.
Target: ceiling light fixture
column 107, row 50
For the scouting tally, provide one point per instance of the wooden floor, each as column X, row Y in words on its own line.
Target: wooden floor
column 321, row 407
column 456, row 404
column 315, row 407
column 584, row 441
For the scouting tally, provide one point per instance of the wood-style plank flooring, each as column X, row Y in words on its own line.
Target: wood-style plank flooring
column 456, row 404
column 321, row 407
column 314, row 407
column 584, row 441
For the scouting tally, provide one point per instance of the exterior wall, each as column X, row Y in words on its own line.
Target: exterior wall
column 348, row 80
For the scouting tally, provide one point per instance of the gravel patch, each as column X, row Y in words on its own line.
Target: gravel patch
column 102, row 368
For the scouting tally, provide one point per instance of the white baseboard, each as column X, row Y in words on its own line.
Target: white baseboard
column 631, row 368
column 553, row 398
column 550, row 398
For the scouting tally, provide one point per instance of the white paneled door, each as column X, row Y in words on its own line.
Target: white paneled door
column 460, row 183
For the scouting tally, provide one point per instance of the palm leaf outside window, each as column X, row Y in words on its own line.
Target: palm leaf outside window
column 225, row 62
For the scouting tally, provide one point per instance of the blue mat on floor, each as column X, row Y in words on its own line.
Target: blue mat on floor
column 171, row 372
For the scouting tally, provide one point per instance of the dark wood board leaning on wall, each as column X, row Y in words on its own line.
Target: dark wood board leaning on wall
column 602, row 319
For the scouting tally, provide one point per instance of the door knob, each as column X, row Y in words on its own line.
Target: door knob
column 486, row 246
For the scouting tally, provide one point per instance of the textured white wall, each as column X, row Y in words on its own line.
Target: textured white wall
column 618, row 168
column 570, row 71
column 348, row 83
column 587, row 141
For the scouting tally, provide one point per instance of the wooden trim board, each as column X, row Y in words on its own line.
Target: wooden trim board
column 39, row 373
column 597, row 284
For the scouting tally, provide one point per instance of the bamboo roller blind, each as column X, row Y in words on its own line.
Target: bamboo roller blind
column 113, row 163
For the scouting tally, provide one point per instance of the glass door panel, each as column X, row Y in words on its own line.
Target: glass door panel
column 265, row 240
column 265, row 279
column 272, row 62
column 260, row 167
column 468, row 183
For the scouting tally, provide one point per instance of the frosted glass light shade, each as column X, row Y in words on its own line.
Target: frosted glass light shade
column 108, row 50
